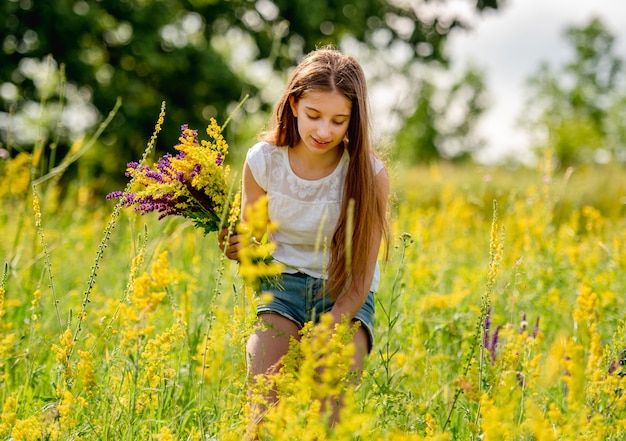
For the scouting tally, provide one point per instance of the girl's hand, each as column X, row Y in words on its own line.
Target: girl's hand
column 228, row 244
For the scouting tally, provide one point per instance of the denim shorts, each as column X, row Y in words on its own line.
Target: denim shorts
column 295, row 297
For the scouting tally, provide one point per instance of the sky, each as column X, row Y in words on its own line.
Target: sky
column 511, row 43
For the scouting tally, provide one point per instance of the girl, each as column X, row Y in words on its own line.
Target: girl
column 323, row 182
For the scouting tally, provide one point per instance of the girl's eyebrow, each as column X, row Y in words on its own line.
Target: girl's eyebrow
column 334, row 116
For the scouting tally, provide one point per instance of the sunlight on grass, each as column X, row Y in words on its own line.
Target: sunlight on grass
column 507, row 327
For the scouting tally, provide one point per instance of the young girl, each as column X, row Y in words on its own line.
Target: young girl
column 323, row 182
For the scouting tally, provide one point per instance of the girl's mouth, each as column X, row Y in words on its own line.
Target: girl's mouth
column 320, row 143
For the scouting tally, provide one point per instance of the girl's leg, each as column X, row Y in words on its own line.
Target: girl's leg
column 265, row 350
column 361, row 345
column 269, row 343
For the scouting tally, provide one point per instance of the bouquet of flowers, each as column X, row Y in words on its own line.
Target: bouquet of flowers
column 193, row 183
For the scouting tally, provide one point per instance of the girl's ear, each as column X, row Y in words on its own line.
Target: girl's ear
column 294, row 105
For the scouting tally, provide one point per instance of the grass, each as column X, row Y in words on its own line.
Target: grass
column 500, row 316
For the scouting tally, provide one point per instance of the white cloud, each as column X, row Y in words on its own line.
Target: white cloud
column 511, row 43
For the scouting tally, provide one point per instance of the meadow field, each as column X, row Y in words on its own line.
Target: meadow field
column 500, row 316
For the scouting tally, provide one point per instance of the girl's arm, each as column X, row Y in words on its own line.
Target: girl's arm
column 351, row 301
column 251, row 191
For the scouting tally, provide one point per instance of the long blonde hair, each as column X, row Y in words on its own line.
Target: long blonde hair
column 327, row 69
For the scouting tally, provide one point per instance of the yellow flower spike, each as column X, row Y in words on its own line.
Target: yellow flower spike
column 255, row 256
column 63, row 352
column 235, row 210
column 431, row 425
column 165, row 434
column 9, row 414
column 66, row 411
column 587, row 302
column 86, row 372
column 27, row 430
column 16, row 177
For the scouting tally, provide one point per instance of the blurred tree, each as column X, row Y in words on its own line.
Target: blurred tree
column 577, row 110
column 442, row 123
column 200, row 56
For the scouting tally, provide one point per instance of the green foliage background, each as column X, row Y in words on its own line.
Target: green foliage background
column 200, row 57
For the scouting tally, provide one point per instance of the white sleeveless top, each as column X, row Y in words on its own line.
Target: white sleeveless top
column 306, row 211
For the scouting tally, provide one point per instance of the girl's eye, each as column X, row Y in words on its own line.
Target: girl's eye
column 335, row 122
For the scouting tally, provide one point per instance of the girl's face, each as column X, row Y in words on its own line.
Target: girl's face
column 323, row 119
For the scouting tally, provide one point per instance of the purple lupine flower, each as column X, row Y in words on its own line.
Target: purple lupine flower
column 494, row 343
column 114, row 195
column 184, row 135
column 159, row 179
column 155, row 176
column 164, row 162
column 130, row 199
column 196, row 170
column 536, row 328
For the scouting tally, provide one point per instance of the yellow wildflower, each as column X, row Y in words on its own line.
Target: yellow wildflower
column 27, row 430
column 255, row 256
column 66, row 411
column 587, row 301
column 64, row 351
column 165, row 434
column 443, row 301
column 431, row 424
column 9, row 415
column 86, row 372
column 235, row 210
column 16, row 177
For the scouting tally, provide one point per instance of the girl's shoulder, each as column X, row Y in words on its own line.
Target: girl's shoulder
column 266, row 159
column 261, row 147
column 262, row 151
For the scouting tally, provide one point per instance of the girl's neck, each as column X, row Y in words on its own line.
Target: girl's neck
column 312, row 167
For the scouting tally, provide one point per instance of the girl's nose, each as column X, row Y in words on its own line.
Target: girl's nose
column 323, row 129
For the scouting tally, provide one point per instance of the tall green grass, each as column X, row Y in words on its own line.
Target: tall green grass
column 496, row 320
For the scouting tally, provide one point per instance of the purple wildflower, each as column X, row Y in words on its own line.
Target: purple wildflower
column 536, row 328
column 494, row 343
column 185, row 200
column 130, row 199
column 164, row 162
column 185, row 135
column 196, row 170
column 114, row 195
column 155, row 176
